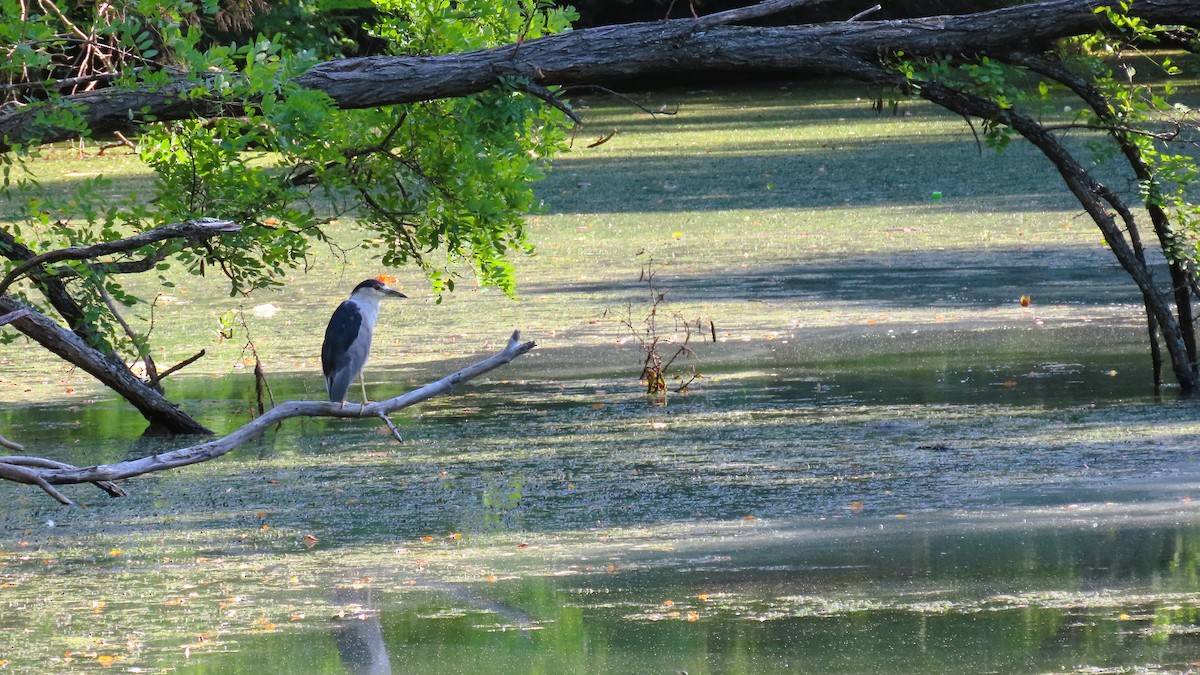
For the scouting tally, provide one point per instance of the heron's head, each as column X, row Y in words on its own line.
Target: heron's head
column 376, row 288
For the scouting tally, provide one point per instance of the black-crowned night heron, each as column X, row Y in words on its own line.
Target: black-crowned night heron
column 348, row 338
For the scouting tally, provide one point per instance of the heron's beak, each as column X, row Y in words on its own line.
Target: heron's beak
column 393, row 292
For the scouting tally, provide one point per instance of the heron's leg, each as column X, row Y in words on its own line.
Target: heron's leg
column 362, row 382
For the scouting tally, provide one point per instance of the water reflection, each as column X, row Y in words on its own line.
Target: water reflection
column 357, row 633
column 1035, row 593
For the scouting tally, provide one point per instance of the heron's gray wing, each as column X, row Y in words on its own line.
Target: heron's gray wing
column 338, row 353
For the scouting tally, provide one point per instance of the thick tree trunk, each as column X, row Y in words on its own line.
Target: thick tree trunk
column 659, row 49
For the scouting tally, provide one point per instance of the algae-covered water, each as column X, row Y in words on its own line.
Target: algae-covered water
column 888, row 464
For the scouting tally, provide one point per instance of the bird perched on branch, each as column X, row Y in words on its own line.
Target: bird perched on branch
column 348, row 338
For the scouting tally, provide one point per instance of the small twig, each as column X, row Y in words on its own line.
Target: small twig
column 11, row 445
column 548, row 96
column 151, row 371
column 869, row 10
column 602, row 141
column 121, row 142
column 627, row 99
column 755, row 11
column 179, row 366
column 395, row 432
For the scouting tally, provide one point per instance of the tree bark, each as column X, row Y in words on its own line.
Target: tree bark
column 660, row 48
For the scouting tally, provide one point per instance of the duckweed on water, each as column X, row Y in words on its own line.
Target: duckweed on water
column 890, row 464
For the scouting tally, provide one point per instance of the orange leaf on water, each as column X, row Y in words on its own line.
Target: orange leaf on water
column 427, row 539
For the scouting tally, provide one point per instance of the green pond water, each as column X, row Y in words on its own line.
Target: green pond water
column 922, row 514
column 888, row 466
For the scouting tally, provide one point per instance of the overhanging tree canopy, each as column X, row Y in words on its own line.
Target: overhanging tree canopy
column 435, row 145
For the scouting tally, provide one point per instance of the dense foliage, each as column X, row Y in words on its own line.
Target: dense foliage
column 442, row 184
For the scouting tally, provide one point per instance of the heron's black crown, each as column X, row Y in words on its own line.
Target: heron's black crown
column 369, row 283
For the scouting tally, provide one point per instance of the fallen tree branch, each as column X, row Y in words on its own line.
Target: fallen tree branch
column 11, row 445
column 29, row 470
column 604, row 53
column 18, row 468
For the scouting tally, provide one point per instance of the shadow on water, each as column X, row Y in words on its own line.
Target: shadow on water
column 811, row 175
column 955, row 279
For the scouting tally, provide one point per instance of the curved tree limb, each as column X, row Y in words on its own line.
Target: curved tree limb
column 37, row 471
column 191, row 229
